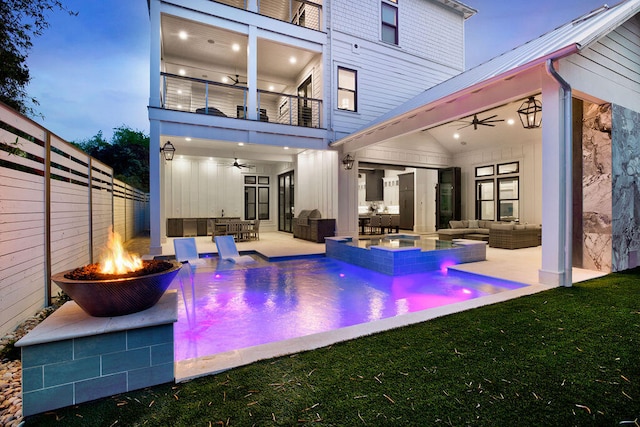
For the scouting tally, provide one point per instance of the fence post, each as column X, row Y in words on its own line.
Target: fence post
column 47, row 218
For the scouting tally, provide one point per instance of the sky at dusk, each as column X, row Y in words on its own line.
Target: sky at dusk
column 90, row 72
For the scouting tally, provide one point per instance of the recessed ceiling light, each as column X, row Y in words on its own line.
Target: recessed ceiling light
column 456, row 135
column 183, row 35
column 182, row 72
column 510, row 122
column 179, row 91
column 179, row 106
column 271, row 88
column 187, row 139
column 235, row 47
column 286, row 148
column 240, row 144
column 225, row 79
column 293, row 60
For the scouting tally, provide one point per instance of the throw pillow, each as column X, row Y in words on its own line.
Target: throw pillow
column 456, row 224
column 473, row 223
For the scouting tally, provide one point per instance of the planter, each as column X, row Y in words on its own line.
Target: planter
column 117, row 297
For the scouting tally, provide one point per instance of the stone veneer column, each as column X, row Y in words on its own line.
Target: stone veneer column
column 625, row 221
column 596, row 187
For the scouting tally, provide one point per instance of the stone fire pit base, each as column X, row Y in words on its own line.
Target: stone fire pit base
column 72, row 357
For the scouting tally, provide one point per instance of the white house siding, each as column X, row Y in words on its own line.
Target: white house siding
column 430, row 51
column 609, row 69
column 317, row 182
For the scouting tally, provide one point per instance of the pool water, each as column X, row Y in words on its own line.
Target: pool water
column 230, row 307
column 405, row 242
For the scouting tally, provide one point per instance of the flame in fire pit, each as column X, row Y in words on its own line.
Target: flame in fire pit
column 115, row 260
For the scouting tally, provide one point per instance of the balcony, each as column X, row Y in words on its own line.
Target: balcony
column 230, row 100
column 303, row 13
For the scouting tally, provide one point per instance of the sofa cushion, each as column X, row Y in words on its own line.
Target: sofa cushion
column 532, row 226
column 519, row 227
column 315, row 214
column 456, row 224
column 502, row 226
column 474, row 223
column 481, row 231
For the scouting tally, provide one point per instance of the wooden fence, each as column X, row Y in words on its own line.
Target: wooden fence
column 56, row 207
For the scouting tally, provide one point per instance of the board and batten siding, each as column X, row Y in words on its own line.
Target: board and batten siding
column 56, row 207
column 610, row 67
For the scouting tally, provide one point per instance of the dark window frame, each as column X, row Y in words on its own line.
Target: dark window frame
column 393, row 7
column 344, row 89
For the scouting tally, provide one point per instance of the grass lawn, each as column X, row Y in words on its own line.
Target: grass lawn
column 564, row 357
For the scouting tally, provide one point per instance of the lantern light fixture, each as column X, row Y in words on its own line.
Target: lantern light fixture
column 168, row 150
column 530, row 113
column 347, row 162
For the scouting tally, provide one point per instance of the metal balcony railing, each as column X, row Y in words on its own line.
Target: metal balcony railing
column 304, row 13
column 223, row 100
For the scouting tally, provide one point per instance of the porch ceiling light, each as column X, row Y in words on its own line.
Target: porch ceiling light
column 168, row 150
column 347, row 162
column 530, row 113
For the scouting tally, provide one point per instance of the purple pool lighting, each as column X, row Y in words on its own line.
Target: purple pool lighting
column 232, row 307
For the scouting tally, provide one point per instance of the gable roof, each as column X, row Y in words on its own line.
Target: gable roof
column 564, row 40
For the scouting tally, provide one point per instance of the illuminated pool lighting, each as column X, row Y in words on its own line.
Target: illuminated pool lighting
column 231, row 307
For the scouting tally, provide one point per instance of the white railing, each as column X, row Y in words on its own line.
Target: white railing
column 56, row 206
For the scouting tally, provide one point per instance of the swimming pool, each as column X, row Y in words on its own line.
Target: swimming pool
column 232, row 307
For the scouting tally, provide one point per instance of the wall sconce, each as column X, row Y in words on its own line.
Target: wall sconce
column 347, row 162
column 168, row 150
column 530, row 113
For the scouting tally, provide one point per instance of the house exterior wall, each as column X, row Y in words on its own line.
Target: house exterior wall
column 430, row 50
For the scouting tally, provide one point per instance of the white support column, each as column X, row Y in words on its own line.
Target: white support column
column 252, row 73
column 552, row 271
column 156, row 216
column 154, row 58
column 347, row 221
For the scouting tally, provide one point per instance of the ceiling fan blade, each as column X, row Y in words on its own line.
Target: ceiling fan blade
column 489, row 118
column 465, row 126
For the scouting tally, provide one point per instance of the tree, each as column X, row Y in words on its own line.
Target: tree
column 127, row 154
column 20, row 21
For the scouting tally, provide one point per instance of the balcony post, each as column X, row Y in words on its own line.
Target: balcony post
column 252, row 74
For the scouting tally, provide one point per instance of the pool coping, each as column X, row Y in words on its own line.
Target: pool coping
column 207, row 365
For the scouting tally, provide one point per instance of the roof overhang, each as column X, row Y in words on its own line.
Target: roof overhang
column 467, row 12
column 514, row 83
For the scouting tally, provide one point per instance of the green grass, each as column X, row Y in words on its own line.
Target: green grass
column 564, row 357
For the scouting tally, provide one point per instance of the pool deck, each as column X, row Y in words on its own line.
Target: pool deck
column 519, row 265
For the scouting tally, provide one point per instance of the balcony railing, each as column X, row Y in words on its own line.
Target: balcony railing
column 223, row 100
column 304, row 13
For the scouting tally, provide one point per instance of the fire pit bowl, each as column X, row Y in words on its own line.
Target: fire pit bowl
column 118, row 296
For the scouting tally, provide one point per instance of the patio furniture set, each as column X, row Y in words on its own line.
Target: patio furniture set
column 239, row 229
column 498, row 234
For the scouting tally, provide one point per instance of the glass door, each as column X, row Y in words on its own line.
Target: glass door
column 304, row 110
column 286, row 210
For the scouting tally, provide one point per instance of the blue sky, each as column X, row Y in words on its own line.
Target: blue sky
column 91, row 72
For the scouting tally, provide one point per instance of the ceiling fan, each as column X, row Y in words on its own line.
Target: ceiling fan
column 238, row 165
column 482, row 122
column 236, row 80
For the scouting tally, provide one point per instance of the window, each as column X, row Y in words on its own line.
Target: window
column 508, row 199
column 507, row 190
column 485, row 208
column 347, row 89
column 389, row 22
column 256, row 197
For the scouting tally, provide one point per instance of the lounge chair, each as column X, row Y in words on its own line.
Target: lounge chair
column 228, row 251
column 186, row 251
